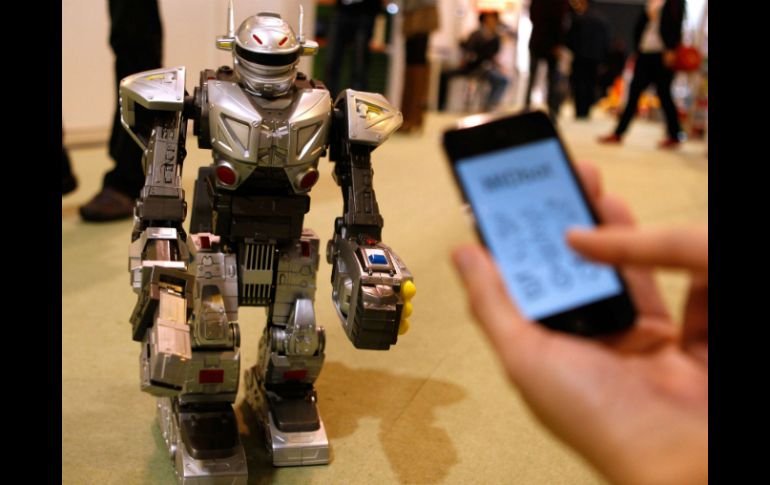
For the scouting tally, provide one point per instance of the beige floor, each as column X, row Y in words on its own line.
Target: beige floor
column 435, row 409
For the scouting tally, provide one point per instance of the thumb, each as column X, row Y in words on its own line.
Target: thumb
column 490, row 303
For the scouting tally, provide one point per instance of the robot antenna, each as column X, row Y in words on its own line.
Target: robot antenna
column 301, row 36
column 227, row 41
column 230, row 20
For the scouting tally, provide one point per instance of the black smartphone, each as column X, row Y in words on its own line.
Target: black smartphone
column 516, row 175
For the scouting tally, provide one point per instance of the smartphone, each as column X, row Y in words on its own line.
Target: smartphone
column 517, row 177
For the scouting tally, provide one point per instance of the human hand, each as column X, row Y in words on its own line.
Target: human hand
column 635, row 405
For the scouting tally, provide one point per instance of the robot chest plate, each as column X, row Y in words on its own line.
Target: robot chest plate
column 285, row 134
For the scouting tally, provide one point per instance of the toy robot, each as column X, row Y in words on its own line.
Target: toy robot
column 267, row 126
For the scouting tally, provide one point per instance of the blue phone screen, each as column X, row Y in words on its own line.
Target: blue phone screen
column 524, row 199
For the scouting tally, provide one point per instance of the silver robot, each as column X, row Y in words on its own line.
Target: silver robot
column 267, row 126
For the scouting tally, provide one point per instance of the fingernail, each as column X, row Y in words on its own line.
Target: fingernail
column 579, row 228
column 577, row 231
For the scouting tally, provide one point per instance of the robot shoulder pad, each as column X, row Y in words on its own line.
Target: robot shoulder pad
column 158, row 90
column 371, row 118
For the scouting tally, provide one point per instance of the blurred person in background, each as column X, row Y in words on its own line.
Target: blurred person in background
column 612, row 68
column 658, row 32
column 352, row 22
column 589, row 40
column 480, row 50
column 420, row 19
column 136, row 38
column 550, row 19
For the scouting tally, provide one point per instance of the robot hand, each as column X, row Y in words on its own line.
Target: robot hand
column 371, row 290
column 158, row 265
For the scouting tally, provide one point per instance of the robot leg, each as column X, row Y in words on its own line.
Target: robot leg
column 199, row 425
column 291, row 352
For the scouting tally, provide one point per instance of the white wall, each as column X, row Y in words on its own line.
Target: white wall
column 86, row 86
column 190, row 27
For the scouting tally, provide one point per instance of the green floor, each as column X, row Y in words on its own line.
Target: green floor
column 434, row 409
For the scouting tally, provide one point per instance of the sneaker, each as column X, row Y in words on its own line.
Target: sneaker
column 669, row 144
column 108, row 205
column 612, row 139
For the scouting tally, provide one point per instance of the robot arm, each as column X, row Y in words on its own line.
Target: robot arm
column 152, row 105
column 371, row 285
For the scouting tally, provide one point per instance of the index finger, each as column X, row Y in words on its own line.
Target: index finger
column 681, row 247
column 509, row 331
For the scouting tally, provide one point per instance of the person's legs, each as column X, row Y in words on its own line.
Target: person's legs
column 136, row 38
column 575, row 82
column 364, row 27
column 534, row 61
column 68, row 180
column 127, row 176
column 554, row 87
column 335, row 51
column 639, row 83
column 663, row 79
column 415, row 95
column 591, row 83
column 583, row 84
column 443, row 85
column 498, row 82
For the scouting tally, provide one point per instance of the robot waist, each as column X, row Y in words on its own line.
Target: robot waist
column 260, row 217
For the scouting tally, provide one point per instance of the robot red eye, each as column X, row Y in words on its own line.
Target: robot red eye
column 309, row 179
column 226, row 175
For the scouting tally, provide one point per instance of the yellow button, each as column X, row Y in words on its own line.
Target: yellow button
column 407, row 310
column 408, row 290
column 403, row 326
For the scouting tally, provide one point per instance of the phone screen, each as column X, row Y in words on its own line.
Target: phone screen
column 524, row 199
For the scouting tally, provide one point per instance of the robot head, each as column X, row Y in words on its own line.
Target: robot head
column 265, row 54
column 266, row 51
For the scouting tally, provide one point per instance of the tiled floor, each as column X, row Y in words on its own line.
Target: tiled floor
column 434, row 409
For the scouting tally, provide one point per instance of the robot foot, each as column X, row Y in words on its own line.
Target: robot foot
column 203, row 442
column 294, row 432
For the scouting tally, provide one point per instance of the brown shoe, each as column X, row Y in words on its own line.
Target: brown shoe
column 669, row 144
column 612, row 139
column 108, row 205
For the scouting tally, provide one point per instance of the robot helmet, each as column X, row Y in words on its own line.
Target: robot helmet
column 265, row 54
